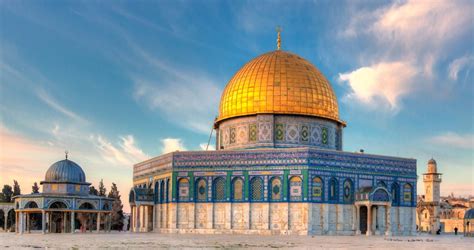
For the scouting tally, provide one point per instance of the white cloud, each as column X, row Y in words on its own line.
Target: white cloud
column 386, row 81
column 204, row 146
column 452, row 139
column 422, row 33
column 171, row 145
column 459, row 64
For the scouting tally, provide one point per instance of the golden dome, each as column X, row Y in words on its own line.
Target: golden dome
column 279, row 82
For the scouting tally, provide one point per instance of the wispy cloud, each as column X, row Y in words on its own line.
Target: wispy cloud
column 52, row 103
column 126, row 153
column 187, row 97
column 171, row 144
column 457, row 65
column 452, row 139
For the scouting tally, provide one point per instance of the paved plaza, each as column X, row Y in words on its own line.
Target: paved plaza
column 117, row 240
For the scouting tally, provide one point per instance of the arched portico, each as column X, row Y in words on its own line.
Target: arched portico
column 368, row 202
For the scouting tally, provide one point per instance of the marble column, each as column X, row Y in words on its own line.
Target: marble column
column 154, row 217
column 20, row 225
column 64, row 222
column 388, row 223
column 138, row 219
column 5, row 215
column 145, row 218
column 369, row 220
column 28, row 222
column 98, row 222
column 43, row 222
column 357, row 220
column 73, row 222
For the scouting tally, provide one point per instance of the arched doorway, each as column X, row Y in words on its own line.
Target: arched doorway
column 57, row 219
column 363, row 219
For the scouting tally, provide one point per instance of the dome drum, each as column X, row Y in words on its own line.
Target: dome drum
column 279, row 131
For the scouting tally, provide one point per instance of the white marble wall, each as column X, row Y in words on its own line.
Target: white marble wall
column 273, row 218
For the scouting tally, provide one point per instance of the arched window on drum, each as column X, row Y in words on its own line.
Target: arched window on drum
column 395, row 194
column 218, row 186
column 183, row 189
column 275, row 189
column 333, row 190
column 317, row 189
column 256, row 189
column 348, row 191
column 296, row 189
column 407, row 193
column 201, row 189
column 238, row 189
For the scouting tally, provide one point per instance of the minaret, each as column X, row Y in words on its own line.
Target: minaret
column 432, row 181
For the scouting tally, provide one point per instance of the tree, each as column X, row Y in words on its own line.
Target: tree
column 7, row 192
column 35, row 188
column 93, row 191
column 102, row 190
column 117, row 208
column 16, row 188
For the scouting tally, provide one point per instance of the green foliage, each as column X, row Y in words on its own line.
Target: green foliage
column 102, row 190
column 35, row 188
column 16, row 188
column 7, row 193
column 93, row 191
column 117, row 208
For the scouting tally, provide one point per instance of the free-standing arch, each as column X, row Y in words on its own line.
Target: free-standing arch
column 86, row 206
column 31, row 204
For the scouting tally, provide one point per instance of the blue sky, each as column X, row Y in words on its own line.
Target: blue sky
column 117, row 82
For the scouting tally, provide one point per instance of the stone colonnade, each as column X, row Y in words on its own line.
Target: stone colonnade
column 67, row 219
column 299, row 218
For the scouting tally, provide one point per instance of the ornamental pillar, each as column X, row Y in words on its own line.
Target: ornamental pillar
column 28, row 222
column 357, row 219
column 43, row 221
column 98, row 222
column 5, row 220
column 20, row 227
column 369, row 220
column 64, row 222
column 388, row 223
column 73, row 222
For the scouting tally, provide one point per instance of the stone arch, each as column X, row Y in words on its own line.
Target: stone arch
column 86, row 206
column 237, row 189
column 31, row 204
column 380, row 194
column 295, row 188
column 58, row 204
column 11, row 218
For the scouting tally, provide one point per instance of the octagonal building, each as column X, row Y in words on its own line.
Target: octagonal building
column 278, row 167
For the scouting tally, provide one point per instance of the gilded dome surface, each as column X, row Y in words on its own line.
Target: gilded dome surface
column 279, row 82
column 65, row 171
